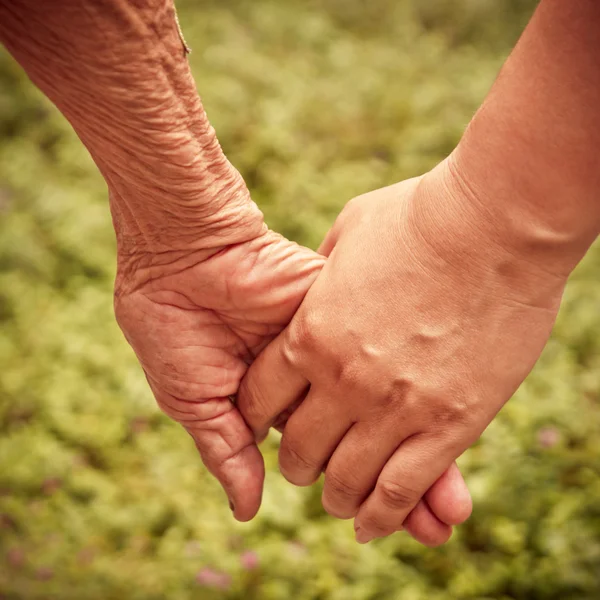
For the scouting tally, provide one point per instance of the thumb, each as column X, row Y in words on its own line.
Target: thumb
column 227, row 447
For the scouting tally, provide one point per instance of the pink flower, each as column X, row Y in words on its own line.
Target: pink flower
column 86, row 555
column 45, row 573
column 51, row 485
column 297, row 550
column 138, row 425
column 16, row 558
column 249, row 560
column 212, row 578
column 548, row 437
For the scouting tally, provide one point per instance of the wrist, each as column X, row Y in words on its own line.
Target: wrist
column 171, row 187
column 522, row 203
column 464, row 238
column 528, row 158
column 136, row 109
column 153, row 243
column 204, row 206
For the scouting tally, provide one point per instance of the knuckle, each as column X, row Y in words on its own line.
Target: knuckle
column 341, row 497
column 374, row 525
column 396, row 495
column 179, row 378
column 296, row 466
column 182, row 411
column 402, row 390
column 171, row 407
column 185, row 391
column 311, row 330
column 305, row 341
column 298, row 458
column 450, row 414
column 292, row 345
column 351, row 375
column 451, row 411
column 222, row 460
column 351, row 210
column 206, row 415
column 252, row 403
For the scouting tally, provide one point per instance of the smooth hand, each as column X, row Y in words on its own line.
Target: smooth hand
column 419, row 328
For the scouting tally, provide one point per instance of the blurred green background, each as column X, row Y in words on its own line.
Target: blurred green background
column 102, row 497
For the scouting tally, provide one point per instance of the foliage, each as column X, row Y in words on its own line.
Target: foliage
column 103, row 497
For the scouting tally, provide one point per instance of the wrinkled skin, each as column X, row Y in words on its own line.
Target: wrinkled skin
column 196, row 322
column 420, row 326
column 197, row 326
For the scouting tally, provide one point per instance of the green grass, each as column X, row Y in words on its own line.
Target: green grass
column 103, row 497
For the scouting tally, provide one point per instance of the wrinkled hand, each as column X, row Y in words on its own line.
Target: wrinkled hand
column 418, row 329
column 197, row 321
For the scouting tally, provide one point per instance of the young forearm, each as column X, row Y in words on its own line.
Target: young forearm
column 531, row 154
column 117, row 70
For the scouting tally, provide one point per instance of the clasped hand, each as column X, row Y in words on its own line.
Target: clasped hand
column 390, row 357
column 420, row 326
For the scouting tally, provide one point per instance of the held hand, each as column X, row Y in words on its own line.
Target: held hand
column 197, row 320
column 419, row 328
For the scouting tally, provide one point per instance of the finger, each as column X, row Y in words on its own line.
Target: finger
column 283, row 417
column 425, row 527
column 355, row 465
column 409, row 473
column 346, row 487
column 269, row 387
column 227, row 447
column 328, row 243
column 311, row 435
column 449, row 498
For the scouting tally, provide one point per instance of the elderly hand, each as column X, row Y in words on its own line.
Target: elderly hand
column 196, row 322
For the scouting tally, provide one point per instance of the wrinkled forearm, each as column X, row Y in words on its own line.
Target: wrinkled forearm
column 117, row 70
column 531, row 156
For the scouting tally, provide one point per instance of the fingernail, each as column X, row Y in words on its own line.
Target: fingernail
column 362, row 537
